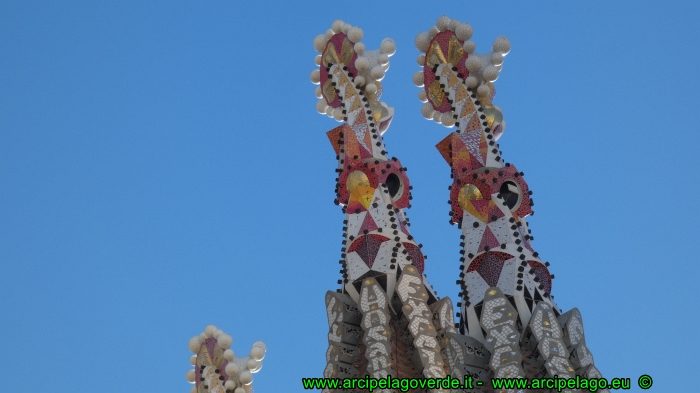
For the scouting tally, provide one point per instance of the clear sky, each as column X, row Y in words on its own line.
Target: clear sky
column 162, row 167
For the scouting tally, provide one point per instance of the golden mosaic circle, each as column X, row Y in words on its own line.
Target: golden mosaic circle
column 356, row 178
column 468, row 192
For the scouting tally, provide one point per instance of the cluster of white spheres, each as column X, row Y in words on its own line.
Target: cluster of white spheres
column 232, row 369
column 371, row 66
column 463, row 31
column 353, row 33
column 483, row 68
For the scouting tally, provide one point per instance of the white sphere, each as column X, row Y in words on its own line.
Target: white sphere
column 383, row 59
column 193, row 389
column 346, row 28
column 355, row 34
column 433, row 32
column 361, row 63
column 483, row 91
column 202, row 337
column 469, row 46
column 437, row 117
column 320, row 42
column 501, row 44
column 329, row 34
column 315, row 79
column 257, row 353
column 231, row 369
column 226, row 340
column 443, row 23
column 228, row 354
column 194, row 344
column 371, row 89
column 246, row 377
column 418, row 78
column 453, row 25
column 193, row 360
column 190, row 376
column 329, row 111
column 338, row 114
column 239, row 390
column 387, row 47
column 217, row 333
column 261, row 345
column 317, row 60
column 360, row 80
column 250, row 364
column 497, row 58
column 317, row 92
column 464, row 31
column 422, row 42
column 472, row 81
column 421, row 59
column 230, row 385
column 473, row 63
column 377, row 73
column 447, row 119
column 427, row 110
column 258, row 366
column 422, row 96
column 359, row 48
column 209, row 330
column 490, row 73
column 337, row 25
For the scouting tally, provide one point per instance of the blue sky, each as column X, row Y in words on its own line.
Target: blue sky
column 162, row 167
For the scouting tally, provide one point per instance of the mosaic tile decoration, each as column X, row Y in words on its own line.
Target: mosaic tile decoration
column 490, row 202
column 378, row 251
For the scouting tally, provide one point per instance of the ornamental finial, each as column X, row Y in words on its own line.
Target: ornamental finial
column 343, row 58
column 217, row 369
column 447, row 47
